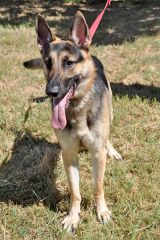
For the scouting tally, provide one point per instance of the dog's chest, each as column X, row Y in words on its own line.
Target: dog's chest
column 75, row 120
column 79, row 126
column 77, row 116
column 82, row 126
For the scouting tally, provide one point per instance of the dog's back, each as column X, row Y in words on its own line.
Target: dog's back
column 102, row 78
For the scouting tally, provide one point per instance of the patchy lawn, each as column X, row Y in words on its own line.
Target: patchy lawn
column 34, row 194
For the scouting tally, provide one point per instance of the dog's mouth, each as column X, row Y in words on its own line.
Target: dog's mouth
column 59, row 120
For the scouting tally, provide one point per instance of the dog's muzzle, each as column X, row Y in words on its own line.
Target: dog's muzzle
column 52, row 90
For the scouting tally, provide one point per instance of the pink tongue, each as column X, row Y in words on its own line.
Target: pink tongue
column 59, row 115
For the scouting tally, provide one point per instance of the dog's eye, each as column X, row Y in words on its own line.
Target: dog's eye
column 48, row 63
column 67, row 62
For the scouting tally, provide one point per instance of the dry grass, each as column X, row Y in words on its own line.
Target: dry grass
column 34, row 193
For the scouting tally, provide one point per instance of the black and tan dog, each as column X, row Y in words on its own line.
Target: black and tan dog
column 81, row 107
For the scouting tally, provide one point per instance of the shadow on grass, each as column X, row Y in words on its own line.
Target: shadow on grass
column 28, row 176
column 150, row 93
column 123, row 21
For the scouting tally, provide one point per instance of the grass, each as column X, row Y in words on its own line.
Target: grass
column 34, row 194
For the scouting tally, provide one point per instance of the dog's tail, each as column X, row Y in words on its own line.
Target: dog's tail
column 36, row 63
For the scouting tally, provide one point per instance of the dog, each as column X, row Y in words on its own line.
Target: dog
column 82, row 112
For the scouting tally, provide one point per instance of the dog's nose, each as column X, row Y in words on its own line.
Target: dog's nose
column 52, row 91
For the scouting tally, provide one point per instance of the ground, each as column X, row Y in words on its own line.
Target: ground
column 34, row 194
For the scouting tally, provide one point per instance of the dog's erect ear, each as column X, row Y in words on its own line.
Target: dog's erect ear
column 44, row 35
column 80, row 31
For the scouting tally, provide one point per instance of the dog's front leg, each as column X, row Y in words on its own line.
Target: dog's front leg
column 99, row 164
column 71, row 164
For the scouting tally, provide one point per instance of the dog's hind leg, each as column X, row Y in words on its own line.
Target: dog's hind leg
column 71, row 164
column 111, row 152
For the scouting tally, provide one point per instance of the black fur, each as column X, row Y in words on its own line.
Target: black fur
column 100, row 71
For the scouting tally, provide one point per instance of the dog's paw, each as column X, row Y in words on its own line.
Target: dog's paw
column 70, row 222
column 104, row 217
column 103, row 213
column 112, row 153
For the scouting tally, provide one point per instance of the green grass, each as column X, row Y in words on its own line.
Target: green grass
column 34, row 194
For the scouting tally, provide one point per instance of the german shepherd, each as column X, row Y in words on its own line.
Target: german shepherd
column 81, row 107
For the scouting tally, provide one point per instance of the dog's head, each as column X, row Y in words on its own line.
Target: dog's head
column 67, row 64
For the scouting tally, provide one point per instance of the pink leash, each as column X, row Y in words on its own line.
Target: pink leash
column 96, row 23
